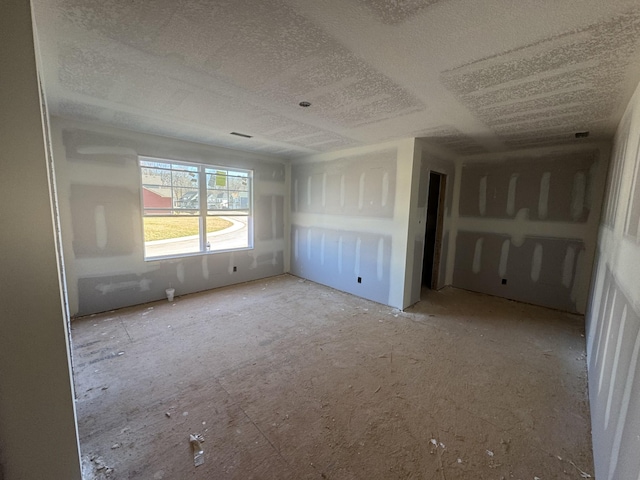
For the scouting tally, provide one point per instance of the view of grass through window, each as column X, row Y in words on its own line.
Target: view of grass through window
column 179, row 198
column 163, row 228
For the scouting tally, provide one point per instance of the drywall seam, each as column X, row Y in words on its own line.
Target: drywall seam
column 344, row 222
column 535, row 153
column 526, row 228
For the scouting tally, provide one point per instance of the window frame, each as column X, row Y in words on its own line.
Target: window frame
column 202, row 211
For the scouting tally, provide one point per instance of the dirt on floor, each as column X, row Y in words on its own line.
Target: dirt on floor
column 287, row 379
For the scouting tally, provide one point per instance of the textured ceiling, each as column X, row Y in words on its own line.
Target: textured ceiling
column 471, row 76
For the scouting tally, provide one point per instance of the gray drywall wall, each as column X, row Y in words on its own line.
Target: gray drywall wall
column 540, row 270
column 349, row 219
column 97, row 171
column 38, row 437
column 613, row 318
column 527, row 223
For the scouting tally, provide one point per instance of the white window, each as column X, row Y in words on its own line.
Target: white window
column 192, row 208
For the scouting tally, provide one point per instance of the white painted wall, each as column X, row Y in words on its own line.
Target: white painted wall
column 38, row 437
column 613, row 319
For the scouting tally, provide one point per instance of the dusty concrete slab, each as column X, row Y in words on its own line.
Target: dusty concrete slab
column 287, row 379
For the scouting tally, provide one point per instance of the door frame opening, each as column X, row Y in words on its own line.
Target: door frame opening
column 432, row 253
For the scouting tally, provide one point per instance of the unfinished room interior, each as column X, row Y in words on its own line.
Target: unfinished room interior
column 320, row 239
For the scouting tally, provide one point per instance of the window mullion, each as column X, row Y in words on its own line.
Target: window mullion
column 202, row 189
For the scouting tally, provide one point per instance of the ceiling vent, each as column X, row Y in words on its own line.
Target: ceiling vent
column 244, row 135
column 582, row 134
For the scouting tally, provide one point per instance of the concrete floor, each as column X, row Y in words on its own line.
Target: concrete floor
column 287, row 379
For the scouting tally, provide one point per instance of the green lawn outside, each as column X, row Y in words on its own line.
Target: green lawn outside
column 162, row 228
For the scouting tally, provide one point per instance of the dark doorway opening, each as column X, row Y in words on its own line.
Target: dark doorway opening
column 433, row 233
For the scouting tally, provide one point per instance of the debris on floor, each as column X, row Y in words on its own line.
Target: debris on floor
column 198, row 453
column 583, row 474
column 445, row 384
column 94, row 468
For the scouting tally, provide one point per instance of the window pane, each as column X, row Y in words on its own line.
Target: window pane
column 186, row 199
column 217, row 200
column 226, row 232
column 156, row 200
column 175, row 235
